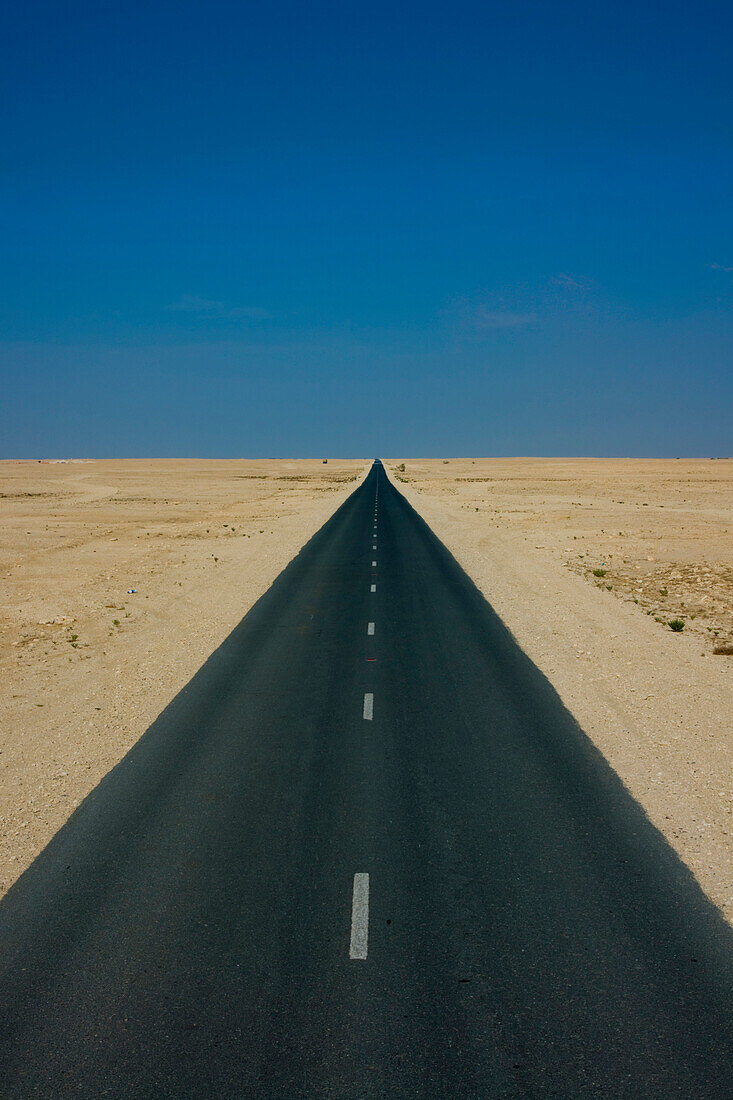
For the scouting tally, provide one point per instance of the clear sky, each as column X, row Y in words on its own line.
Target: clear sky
column 253, row 229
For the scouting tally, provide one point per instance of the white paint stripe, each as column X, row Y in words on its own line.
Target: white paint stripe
column 370, row 628
column 374, row 588
column 368, row 706
column 374, row 547
column 360, row 917
column 374, row 565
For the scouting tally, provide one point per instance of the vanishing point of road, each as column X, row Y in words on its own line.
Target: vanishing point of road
column 366, row 852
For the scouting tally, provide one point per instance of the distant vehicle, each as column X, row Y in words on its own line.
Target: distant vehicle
column 325, row 462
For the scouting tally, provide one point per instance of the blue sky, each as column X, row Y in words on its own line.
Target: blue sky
column 243, row 229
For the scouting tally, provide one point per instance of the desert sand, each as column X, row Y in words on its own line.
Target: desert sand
column 86, row 662
column 587, row 562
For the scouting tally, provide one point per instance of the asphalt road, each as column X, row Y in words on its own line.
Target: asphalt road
column 197, row 930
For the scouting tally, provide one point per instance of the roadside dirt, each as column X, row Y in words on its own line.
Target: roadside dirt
column 86, row 662
column 588, row 561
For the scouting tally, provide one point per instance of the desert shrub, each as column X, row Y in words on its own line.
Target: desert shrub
column 677, row 625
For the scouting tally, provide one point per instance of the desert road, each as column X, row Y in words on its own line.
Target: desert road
column 366, row 852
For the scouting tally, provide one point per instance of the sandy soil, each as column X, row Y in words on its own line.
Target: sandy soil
column 658, row 704
column 87, row 664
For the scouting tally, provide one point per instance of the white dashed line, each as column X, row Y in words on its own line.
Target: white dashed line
column 360, row 917
column 370, row 628
column 374, row 588
column 374, row 547
column 374, row 565
column 368, row 706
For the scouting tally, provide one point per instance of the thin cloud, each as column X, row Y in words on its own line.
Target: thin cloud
column 570, row 282
column 469, row 317
column 493, row 319
column 206, row 307
column 721, row 267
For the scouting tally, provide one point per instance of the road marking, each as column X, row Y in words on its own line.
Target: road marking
column 374, row 547
column 374, row 588
column 370, row 628
column 368, row 706
column 374, row 565
column 359, row 917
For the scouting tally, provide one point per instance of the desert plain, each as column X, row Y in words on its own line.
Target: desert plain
column 119, row 578
column 588, row 561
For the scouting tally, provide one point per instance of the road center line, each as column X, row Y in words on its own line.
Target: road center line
column 374, row 588
column 368, row 706
column 370, row 628
column 374, row 565
column 359, row 917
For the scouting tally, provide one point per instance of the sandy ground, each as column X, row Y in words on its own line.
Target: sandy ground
column 658, row 704
column 86, row 664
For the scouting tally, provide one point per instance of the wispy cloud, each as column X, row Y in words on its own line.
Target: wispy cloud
column 721, row 267
column 498, row 318
column 226, row 311
column 469, row 318
column 570, row 282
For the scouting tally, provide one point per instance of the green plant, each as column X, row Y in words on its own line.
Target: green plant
column 677, row 625
column 115, row 622
column 599, row 572
column 663, row 592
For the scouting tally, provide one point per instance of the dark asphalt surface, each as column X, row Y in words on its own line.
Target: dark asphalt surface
column 186, row 934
